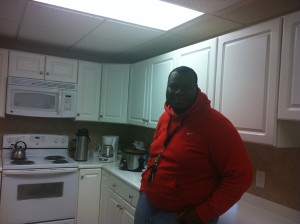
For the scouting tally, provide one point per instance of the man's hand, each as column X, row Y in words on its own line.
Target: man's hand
column 188, row 216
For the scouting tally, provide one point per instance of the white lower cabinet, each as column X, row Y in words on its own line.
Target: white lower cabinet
column 120, row 212
column 118, row 200
column 3, row 77
column 89, row 196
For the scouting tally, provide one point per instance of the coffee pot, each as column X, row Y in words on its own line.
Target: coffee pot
column 83, row 139
column 109, row 151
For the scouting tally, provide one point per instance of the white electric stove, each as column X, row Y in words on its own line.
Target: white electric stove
column 43, row 186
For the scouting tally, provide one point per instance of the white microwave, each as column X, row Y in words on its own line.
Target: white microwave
column 40, row 98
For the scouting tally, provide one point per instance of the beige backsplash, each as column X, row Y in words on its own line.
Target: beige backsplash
column 282, row 166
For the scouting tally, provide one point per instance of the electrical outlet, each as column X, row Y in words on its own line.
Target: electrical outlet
column 260, row 178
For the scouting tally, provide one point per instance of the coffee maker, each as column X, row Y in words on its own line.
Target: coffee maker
column 109, row 148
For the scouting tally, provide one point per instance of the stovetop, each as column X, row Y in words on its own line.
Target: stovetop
column 39, row 149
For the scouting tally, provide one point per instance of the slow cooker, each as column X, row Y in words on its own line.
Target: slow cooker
column 133, row 160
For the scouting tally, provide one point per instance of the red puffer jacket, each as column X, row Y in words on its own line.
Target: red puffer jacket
column 205, row 165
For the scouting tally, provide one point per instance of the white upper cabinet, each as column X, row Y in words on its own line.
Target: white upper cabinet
column 160, row 68
column 114, row 93
column 89, row 86
column 247, row 80
column 36, row 66
column 289, row 89
column 3, row 77
column 138, row 97
column 147, row 91
column 202, row 58
column 61, row 69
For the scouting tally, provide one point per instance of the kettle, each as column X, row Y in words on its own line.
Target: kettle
column 83, row 140
column 18, row 152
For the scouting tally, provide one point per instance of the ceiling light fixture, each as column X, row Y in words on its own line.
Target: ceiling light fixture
column 150, row 13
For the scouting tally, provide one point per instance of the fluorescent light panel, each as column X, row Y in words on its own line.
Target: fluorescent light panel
column 150, row 13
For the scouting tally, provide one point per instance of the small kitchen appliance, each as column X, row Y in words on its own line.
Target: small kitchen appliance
column 109, row 148
column 41, row 188
column 83, row 140
column 40, row 98
column 133, row 160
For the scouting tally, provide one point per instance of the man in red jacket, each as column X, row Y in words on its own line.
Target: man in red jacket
column 198, row 165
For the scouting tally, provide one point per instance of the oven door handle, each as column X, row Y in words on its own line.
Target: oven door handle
column 40, row 171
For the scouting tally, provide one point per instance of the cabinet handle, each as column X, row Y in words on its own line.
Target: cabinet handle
column 78, row 115
column 130, row 196
column 114, row 185
column 47, row 73
column 41, row 72
column 100, row 116
column 82, row 177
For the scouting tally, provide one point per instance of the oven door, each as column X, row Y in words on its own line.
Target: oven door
column 41, row 195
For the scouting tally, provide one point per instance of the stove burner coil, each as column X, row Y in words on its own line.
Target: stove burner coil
column 21, row 162
column 54, row 157
column 60, row 161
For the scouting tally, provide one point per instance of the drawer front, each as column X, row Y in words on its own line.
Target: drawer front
column 115, row 184
column 129, row 194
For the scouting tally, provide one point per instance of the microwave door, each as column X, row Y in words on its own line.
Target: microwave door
column 33, row 101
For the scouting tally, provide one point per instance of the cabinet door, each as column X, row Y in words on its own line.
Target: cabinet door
column 120, row 212
column 28, row 65
column 202, row 58
column 89, row 196
column 115, row 208
column 160, row 68
column 89, row 85
column 247, row 80
column 3, row 77
column 114, row 93
column 104, row 198
column 61, row 69
column 127, row 214
column 138, row 87
column 289, row 89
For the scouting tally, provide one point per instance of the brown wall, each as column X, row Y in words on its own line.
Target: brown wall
column 282, row 166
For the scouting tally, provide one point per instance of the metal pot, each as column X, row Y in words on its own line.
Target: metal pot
column 132, row 160
column 18, row 152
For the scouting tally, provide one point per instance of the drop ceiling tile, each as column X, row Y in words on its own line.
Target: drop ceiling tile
column 8, row 28
column 60, row 19
column 206, row 6
column 253, row 11
column 124, row 32
column 165, row 43
column 206, row 27
column 41, row 34
column 93, row 44
column 12, row 9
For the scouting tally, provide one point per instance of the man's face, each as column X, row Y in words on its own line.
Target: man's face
column 181, row 91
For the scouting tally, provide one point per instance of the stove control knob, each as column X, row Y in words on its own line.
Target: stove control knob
column 63, row 140
column 56, row 140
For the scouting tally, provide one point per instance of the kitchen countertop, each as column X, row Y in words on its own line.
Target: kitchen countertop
column 131, row 178
column 249, row 210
